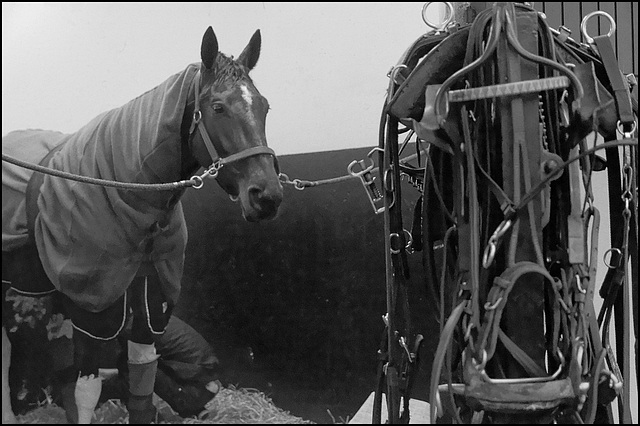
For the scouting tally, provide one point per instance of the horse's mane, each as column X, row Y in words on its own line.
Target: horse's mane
column 226, row 68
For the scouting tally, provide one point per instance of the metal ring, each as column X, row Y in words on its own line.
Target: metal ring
column 283, row 177
column 489, row 254
column 611, row 250
column 391, row 249
column 621, row 130
column 579, row 285
column 197, row 116
column 199, row 181
column 443, row 25
column 350, row 168
column 364, row 169
column 394, row 72
column 502, row 228
column 489, row 307
column 409, row 239
column 583, row 25
column 467, row 333
column 297, row 184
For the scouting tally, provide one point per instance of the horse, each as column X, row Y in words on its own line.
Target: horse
column 114, row 253
column 509, row 245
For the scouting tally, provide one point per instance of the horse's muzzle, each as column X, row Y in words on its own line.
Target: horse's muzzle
column 264, row 203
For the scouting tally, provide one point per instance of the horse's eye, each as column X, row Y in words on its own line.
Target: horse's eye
column 218, row 109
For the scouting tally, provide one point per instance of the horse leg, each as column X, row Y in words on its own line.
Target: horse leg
column 88, row 386
column 142, row 357
column 7, row 413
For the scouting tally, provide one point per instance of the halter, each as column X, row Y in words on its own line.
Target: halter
column 217, row 162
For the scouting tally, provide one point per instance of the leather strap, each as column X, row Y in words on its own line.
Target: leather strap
column 618, row 84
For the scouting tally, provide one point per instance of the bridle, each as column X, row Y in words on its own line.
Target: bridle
column 217, row 162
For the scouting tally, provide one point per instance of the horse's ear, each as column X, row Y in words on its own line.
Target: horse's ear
column 209, row 48
column 251, row 53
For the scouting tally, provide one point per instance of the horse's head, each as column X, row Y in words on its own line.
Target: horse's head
column 230, row 116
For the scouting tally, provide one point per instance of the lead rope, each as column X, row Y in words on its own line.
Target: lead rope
column 170, row 186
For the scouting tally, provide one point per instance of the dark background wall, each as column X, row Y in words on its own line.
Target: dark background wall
column 304, row 292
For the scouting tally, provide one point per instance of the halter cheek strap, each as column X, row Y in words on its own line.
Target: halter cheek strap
column 216, row 160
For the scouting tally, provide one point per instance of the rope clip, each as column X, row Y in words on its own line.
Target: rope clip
column 368, row 182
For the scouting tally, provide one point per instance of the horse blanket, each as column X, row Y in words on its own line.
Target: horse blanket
column 93, row 239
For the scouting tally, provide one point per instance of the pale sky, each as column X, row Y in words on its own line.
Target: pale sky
column 322, row 67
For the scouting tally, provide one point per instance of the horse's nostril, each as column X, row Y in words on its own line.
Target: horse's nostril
column 263, row 201
column 255, row 195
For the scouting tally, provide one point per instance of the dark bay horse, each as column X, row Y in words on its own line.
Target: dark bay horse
column 114, row 254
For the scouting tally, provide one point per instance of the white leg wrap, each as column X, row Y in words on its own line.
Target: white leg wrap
column 87, row 393
column 140, row 353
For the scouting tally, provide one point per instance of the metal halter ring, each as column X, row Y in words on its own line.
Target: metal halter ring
column 443, row 25
column 583, row 25
column 297, row 184
column 629, row 133
column 213, row 169
column 199, row 182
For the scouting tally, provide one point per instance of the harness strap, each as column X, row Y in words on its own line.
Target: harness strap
column 497, row 300
column 529, row 365
column 618, row 83
column 473, row 219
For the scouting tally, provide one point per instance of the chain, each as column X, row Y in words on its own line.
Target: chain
column 301, row 184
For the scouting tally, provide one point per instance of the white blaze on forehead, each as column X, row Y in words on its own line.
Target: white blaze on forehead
column 246, row 95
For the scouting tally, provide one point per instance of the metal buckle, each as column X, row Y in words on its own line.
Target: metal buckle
column 368, row 182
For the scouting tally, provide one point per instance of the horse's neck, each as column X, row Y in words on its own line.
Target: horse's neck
column 163, row 150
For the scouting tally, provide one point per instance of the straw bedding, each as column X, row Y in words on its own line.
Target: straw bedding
column 230, row 406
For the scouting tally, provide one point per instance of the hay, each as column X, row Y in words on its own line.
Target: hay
column 230, row 406
column 46, row 414
column 243, row 406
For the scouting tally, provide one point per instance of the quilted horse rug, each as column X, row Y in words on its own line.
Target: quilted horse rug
column 93, row 239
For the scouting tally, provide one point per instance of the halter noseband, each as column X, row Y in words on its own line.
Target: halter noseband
column 216, row 160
